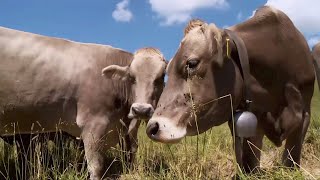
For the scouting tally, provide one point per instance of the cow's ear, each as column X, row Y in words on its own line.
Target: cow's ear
column 167, row 65
column 115, row 72
column 215, row 34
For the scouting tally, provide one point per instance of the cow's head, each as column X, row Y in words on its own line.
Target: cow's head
column 145, row 74
column 198, row 75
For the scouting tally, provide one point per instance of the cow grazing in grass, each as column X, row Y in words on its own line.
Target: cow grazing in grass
column 265, row 60
column 85, row 90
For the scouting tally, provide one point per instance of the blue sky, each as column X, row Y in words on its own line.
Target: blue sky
column 132, row 24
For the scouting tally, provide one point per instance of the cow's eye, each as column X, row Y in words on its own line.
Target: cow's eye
column 132, row 79
column 192, row 63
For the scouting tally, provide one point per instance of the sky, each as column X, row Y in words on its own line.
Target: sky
column 133, row 24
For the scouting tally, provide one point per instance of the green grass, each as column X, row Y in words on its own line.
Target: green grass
column 213, row 159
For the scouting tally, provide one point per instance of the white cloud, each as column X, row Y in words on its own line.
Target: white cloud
column 122, row 13
column 304, row 13
column 313, row 40
column 253, row 12
column 178, row 11
column 225, row 26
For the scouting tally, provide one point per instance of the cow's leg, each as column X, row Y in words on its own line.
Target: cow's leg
column 94, row 143
column 294, row 124
column 237, row 145
column 248, row 150
column 252, row 152
column 293, row 147
column 132, row 143
column 306, row 122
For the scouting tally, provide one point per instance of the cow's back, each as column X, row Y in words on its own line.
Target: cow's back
column 40, row 78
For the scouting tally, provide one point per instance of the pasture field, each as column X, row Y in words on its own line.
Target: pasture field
column 208, row 156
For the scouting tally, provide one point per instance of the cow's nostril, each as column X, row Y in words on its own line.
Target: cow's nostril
column 153, row 129
column 135, row 110
column 147, row 111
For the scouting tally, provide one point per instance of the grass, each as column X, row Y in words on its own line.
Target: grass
column 212, row 159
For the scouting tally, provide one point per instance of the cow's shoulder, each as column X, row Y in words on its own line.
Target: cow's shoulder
column 274, row 15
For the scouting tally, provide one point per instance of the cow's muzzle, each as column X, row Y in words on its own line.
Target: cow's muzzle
column 141, row 110
column 163, row 130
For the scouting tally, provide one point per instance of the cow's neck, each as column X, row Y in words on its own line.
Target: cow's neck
column 238, row 53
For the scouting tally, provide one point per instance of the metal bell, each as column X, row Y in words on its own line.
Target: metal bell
column 245, row 124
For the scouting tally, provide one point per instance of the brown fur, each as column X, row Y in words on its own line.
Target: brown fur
column 281, row 84
column 316, row 61
column 192, row 24
column 149, row 50
column 50, row 84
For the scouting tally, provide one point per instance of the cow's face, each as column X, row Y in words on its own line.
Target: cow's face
column 197, row 74
column 146, row 77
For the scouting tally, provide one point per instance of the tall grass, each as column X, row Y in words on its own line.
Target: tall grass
column 212, row 159
column 160, row 161
column 43, row 159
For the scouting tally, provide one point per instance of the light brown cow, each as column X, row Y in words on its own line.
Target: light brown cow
column 316, row 57
column 49, row 84
column 212, row 63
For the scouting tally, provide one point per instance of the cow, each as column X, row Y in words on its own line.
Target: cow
column 261, row 68
column 316, row 58
column 85, row 90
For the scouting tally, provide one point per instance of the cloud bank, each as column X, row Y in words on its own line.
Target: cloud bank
column 179, row 11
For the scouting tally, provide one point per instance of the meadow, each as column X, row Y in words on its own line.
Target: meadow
column 207, row 156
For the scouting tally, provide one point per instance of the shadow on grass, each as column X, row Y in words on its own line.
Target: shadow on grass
column 51, row 156
column 114, row 168
column 39, row 156
column 156, row 166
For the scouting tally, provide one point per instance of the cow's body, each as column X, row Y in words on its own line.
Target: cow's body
column 281, row 83
column 50, row 84
column 274, row 67
column 47, row 80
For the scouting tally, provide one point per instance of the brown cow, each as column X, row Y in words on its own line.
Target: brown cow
column 50, row 84
column 316, row 57
column 212, row 63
